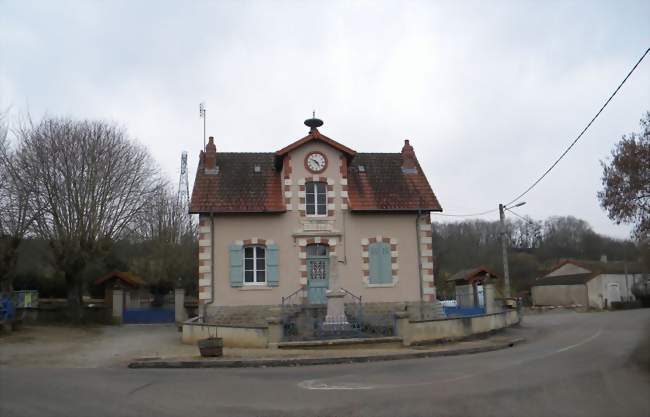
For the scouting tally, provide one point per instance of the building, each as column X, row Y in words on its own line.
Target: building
column 476, row 292
column 272, row 223
column 587, row 283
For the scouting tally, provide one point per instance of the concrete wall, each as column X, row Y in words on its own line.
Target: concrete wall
column 413, row 332
column 345, row 232
column 598, row 288
column 559, row 295
column 249, row 337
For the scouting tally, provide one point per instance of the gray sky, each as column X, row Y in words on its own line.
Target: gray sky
column 490, row 92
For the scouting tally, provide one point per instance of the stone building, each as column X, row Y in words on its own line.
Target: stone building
column 271, row 224
column 587, row 283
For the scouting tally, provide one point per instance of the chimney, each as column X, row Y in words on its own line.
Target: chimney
column 409, row 161
column 210, row 161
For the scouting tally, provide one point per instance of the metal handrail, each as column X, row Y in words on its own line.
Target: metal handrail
column 358, row 297
column 293, row 294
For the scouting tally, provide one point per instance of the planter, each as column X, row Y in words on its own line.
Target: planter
column 211, row 347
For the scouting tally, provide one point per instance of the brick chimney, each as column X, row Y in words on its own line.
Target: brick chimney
column 409, row 161
column 210, row 161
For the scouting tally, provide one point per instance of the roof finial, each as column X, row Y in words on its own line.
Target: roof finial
column 313, row 123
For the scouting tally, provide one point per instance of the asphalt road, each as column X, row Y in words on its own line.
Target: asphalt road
column 589, row 364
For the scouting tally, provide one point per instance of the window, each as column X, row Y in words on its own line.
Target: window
column 380, row 263
column 316, row 198
column 254, row 265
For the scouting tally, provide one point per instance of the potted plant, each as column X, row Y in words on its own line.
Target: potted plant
column 211, row 346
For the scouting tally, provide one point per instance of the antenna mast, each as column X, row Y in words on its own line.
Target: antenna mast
column 183, row 184
column 202, row 116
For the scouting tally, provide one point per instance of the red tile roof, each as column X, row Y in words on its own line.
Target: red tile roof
column 126, row 277
column 315, row 135
column 472, row 274
column 384, row 185
column 237, row 187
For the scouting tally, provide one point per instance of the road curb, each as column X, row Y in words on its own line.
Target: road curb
column 263, row 363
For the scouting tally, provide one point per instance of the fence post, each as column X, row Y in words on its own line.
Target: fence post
column 275, row 331
column 179, row 305
column 402, row 327
column 118, row 305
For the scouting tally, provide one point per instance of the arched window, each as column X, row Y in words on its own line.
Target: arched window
column 316, row 199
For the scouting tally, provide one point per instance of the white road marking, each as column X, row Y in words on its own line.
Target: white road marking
column 587, row 340
column 312, row 384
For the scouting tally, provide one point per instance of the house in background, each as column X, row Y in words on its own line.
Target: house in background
column 476, row 292
column 272, row 223
column 594, row 284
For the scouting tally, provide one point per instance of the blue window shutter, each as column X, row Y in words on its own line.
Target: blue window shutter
column 236, row 266
column 381, row 271
column 272, row 265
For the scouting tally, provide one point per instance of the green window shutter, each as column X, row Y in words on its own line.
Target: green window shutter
column 272, row 265
column 236, row 265
column 381, row 271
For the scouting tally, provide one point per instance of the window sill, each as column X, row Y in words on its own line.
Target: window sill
column 392, row 284
column 260, row 287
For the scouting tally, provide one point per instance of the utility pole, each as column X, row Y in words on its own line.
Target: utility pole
column 504, row 251
column 504, row 246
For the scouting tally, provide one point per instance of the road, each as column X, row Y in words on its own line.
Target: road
column 574, row 364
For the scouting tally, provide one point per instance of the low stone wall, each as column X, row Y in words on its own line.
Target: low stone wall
column 253, row 315
column 428, row 331
column 233, row 336
column 409, row 330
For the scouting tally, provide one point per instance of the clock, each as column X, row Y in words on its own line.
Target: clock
column 315, row 162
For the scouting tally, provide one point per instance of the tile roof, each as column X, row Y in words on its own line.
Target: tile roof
column 471, row 273
column 237, row 187
column 574, row 279
column 125, row 277
column 315, row 135
column 609, row 267
column 382, row 185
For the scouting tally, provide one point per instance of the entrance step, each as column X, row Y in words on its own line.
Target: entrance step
column 358, row 343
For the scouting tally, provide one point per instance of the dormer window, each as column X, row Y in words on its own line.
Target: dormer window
column 316, row 199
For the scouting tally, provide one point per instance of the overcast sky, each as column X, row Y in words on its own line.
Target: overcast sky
column 489, row 92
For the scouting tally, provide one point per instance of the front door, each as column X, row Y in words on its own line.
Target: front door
column 317, row 273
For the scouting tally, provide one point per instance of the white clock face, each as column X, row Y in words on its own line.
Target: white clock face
column 316, row 162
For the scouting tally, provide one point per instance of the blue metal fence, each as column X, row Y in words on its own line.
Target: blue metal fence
column 148, row 315
column 463, row 311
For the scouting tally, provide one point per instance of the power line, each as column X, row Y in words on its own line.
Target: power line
column 467, row 215
column 581, row 133
column 522, row 217
column 563, row 153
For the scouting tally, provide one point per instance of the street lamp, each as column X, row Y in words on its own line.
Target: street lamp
column 504, row 248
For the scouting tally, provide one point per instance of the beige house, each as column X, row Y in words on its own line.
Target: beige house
column 270, row 223
column 587, row 284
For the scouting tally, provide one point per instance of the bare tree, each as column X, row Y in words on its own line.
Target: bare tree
column 90, row 182
column 15, row 213
column 626, row 182
column 167, row 237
